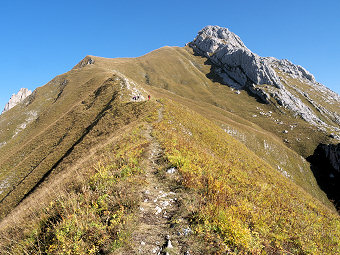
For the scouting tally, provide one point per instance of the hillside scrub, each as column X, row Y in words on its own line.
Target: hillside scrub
column 92, row 216
column 251, row 206
column 45, row 147
column 238, row 203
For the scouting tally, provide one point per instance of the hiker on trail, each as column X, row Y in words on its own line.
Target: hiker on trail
column 149, row 97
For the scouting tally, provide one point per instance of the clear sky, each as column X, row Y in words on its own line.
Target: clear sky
column 41, row 39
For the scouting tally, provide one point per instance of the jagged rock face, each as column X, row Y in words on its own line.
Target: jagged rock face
column 242, row 69
column 288, row 67
column 17, row 98
column 325, row 164
column 240, row 65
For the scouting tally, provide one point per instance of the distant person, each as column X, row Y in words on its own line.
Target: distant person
column 149, row 97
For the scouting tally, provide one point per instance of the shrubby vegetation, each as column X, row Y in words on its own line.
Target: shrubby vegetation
column 248, row 204
column 92, row 216
column 244, row 205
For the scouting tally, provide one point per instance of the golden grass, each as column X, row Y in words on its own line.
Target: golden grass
column 92, row 214
column 181, row 72
column 64, row 116
column 57, row 145
column 251, row 206
column 245, row 205
column 255, row 138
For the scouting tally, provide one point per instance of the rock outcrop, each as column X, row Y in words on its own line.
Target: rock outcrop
column 239, row 64
column 295, row 71
column 325, row 164
column 17, row 98
column 242, row 69
column 88, row 60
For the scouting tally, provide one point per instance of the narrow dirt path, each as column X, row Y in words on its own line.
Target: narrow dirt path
column 159, row 204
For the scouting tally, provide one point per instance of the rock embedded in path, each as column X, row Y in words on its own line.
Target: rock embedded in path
column 171, row 170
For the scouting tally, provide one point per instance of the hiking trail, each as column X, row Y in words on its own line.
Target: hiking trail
column 155, row 235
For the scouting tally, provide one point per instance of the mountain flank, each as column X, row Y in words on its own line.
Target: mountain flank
column 200, row 149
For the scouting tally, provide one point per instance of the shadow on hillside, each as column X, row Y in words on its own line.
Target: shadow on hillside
column 326, row 176
column 214, row 77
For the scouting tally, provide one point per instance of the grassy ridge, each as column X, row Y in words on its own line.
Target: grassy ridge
column 63, row 132
column 244, row 205
column 92, row 215
column 183, row 73
column 252, row 207
column 43, row 152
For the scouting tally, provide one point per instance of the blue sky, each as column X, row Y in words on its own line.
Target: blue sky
column 41, row 39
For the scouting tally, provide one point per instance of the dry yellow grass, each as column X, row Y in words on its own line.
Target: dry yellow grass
column 250, row 205
column 246, row 204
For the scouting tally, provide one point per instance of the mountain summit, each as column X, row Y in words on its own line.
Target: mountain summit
column 239, row 66
column 264, row 77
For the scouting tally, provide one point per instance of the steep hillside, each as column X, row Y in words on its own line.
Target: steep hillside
column 279, row 82
column 57, row 124
column 173, row 182
column 260, row 126
column 214, row 163
column 180, row 71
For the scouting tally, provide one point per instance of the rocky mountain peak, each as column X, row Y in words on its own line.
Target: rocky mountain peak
column 242, row 69
column 215, row 36
column 296, row 71
column 239, row 66
column 17, row 98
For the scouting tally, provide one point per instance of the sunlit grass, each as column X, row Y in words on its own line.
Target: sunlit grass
column 92, row 216
column 251, row 206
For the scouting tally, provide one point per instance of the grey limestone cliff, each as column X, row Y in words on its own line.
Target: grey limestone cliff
column 17, row 98
column 239, row 64
column 242, row 69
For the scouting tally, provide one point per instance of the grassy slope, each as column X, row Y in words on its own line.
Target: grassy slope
column 71, row 119
column 244, row 205
column 242, row 199
column 93, row 210
column 179, row 71
column 265, row 145
column 174, row 69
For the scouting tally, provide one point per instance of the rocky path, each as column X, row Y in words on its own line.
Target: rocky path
column 154, row 234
